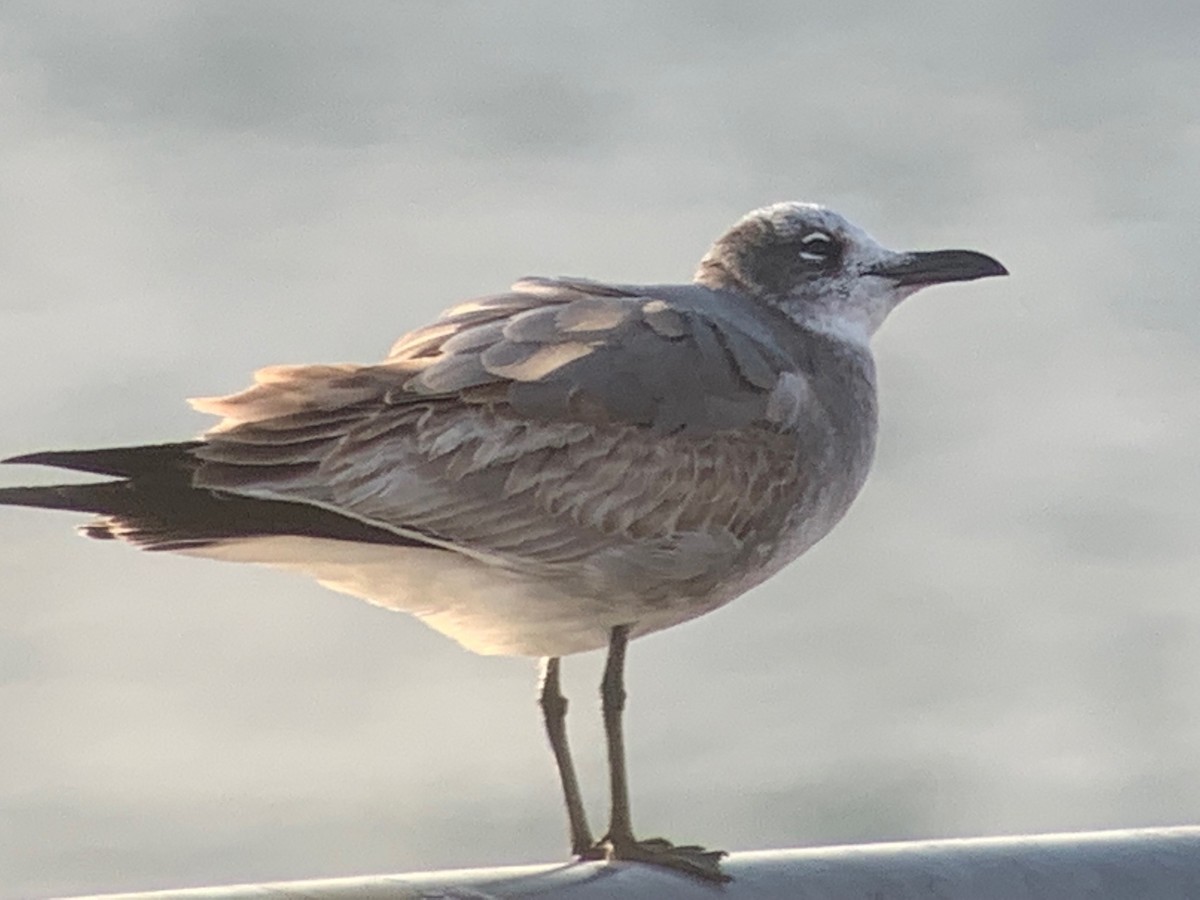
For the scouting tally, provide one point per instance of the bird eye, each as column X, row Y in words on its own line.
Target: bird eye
column 818, row 247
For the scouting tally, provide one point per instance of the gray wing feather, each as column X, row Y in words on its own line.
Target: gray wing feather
column 563, row 420
column 578, row 351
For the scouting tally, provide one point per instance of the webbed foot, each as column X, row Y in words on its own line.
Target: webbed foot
column 690, row 859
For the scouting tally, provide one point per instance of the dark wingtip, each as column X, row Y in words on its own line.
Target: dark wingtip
column 28, row 459
column 123, row 462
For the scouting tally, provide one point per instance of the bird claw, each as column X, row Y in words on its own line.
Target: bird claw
column 690, row 859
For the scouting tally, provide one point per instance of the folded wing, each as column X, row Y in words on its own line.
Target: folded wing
column 563, row 420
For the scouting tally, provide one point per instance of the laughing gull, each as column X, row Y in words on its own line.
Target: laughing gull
column 555, row 469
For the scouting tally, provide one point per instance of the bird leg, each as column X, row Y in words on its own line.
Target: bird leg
column 619, row 842
column 554, row 714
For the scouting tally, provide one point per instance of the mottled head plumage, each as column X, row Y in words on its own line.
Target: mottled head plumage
column 816, row 265
column 772, row 251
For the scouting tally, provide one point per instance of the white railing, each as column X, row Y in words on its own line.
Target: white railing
column 1143, row 864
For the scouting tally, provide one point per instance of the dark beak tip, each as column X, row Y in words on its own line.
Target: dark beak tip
column 997, row 269
column 960, row 265
column 926, row 267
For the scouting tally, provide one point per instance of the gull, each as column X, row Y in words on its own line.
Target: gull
column 556, row 469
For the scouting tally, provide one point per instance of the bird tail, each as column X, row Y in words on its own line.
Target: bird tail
column 153, row 480
column 155, row 505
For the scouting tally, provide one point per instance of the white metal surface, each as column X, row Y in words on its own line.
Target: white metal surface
column 1144, row 864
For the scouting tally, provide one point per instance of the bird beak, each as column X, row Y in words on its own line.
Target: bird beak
column 937, row 266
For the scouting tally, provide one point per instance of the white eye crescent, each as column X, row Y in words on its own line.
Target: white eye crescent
column 819, row 245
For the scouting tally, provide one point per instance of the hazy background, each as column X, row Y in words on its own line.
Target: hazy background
column 1002, row 637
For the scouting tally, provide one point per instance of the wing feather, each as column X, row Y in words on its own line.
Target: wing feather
column 564, row 420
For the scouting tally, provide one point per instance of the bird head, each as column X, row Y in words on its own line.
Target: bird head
column 823, row 270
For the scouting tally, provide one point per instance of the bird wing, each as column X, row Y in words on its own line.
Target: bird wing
column 581, row 351
column 561, row 421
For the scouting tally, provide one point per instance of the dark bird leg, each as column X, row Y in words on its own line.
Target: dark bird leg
column 619, row 842
column 554, row 714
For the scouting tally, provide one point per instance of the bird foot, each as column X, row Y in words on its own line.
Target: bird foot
column 690, row 859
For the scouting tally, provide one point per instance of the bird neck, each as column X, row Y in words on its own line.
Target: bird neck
column 851, row 312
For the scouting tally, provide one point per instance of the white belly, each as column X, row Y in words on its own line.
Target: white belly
column 487, row 609
column 494, row 610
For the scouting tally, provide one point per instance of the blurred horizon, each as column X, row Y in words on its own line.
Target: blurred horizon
column 1001, row 636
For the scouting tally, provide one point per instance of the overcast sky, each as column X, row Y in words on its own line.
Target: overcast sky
column 1003, row 635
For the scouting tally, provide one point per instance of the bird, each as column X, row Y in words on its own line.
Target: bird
column 556, row 469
